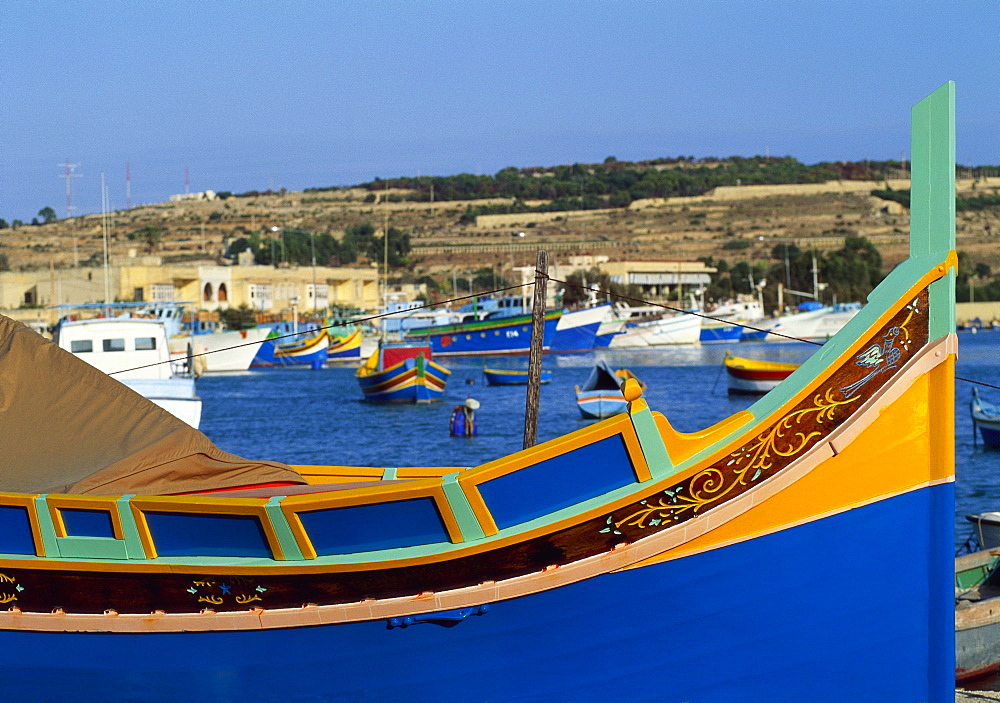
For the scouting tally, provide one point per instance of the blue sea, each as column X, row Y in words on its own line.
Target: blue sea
column 304, row 416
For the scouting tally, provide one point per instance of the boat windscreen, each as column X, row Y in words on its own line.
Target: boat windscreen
column 67, row 427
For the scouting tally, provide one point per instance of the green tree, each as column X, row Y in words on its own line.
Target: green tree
column 241, row 318
column 152, row 237
column 4, row 263
column 47, row 214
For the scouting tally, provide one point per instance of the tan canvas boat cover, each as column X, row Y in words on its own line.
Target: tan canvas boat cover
column 66, row 427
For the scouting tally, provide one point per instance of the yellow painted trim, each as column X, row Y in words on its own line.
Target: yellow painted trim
column 677, row 440
column 59, row 502
column 323, row 475
column 681, row 446
column 891, row 456
column 27, row 500
column 293, row 506
column 618, row 425
column 199, row 505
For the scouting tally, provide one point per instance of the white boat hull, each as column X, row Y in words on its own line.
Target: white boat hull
column 221, row 352
column 680, row 329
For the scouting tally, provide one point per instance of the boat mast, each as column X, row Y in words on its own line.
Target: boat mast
column 104, row 232
column 535, row 353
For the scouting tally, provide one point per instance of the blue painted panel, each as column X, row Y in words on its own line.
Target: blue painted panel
column 363, row 528
column 802, row 626
column 187, row 535
column 15, row 530
column 557, row 483
column 87, row 523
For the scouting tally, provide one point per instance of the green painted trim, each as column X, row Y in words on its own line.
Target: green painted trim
column 932, row 185
column 46, row 527
column 468, row 523
column 286, row 538
column 92, row 548
column 942, row 304
column 389, row 474
column 130, row 530
column 657, row 458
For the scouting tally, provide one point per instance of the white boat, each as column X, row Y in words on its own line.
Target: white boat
column 812, row 325
column 216, row 352
column 676, row 329
column 135, row 352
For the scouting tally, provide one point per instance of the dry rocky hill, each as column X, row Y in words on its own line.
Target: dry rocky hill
column 666, row 229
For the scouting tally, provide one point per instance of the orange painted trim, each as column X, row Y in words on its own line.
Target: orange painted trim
column 27, row 501
column 202, row 505
column 294, row 506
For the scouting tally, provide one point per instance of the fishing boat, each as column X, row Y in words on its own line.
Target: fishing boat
column 310, row 348
column 402, row 373
column 986, row 417
column 497, row 333
column 815, row 323
column 601, row 394
column 285, row 333
column 135, row 352
column 346, row 348
column 723, row 323
column 512, row 377
column 754, row 377
column 221, row 352
column 138, row 561
column 576, row 331
column 977, row 627
column 680, row 328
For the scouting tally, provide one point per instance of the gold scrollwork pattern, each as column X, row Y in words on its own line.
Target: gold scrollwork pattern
column 229, row 591
column 10, row 589
column 776, row 447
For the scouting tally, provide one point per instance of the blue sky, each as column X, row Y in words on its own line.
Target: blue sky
column 296, row 94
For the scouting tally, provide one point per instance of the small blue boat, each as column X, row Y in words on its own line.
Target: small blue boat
column 402, row 373
column 986, row 416
column 601, row 394
column 511, row 377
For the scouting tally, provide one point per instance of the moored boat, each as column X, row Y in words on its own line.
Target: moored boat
column 680, row 328
column 547, row 574
column 134, row 351
column 512, row 377
column 502, row 334
column 601, row 394
column 221, row 352
column 345, row 348
column 753, row 376
column 402, row 373
column 986, row 417
column 576, row 330
column 977, row 614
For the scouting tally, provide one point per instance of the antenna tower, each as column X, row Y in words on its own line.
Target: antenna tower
column 128, row 186
column 187, row 181
column 69, row 175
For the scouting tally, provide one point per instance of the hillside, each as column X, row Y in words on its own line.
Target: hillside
column 726, row 223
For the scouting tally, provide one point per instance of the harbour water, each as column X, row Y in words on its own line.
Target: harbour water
column 303, row 416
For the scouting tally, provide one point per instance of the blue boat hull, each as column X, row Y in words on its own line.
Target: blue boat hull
column 500, row 338
column 805, row 626
column 724, row 333
column 576, row 339
column 990, row 434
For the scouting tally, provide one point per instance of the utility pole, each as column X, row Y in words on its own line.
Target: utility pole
column 128, row 186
